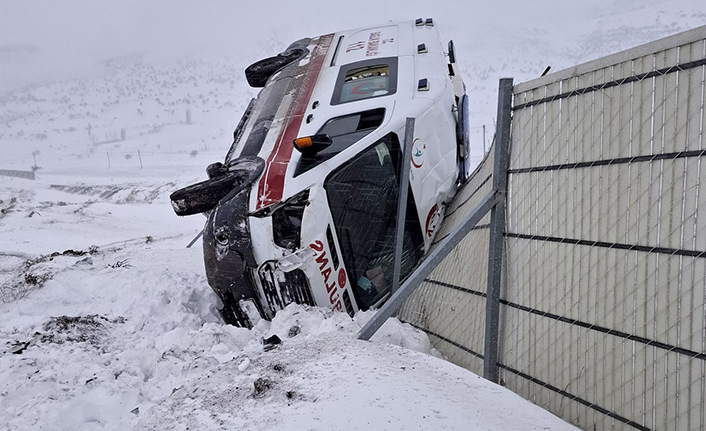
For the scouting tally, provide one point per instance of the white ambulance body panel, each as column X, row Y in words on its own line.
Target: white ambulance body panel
column 357, row 87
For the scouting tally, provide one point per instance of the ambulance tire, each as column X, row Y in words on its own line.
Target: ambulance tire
column 231, row 312
column 259, row 72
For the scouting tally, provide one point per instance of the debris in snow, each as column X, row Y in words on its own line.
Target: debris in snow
column 272, row 340
column 18, row 347
column 125, row 263
column 294, row 331
column 37, row 280
column 262, row 385
column 70, row 252
column 9, row 208
column 271, row 343
column 165, row 358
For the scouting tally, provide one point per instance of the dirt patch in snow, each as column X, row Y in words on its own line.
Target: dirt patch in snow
column 91, row 329
column 76, row 329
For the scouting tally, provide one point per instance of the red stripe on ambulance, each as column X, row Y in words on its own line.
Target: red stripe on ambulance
column 271, row 184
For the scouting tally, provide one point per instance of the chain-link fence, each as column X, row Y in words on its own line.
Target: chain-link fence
column 602, row 300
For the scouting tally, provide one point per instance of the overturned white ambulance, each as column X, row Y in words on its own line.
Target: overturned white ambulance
column 303, row 208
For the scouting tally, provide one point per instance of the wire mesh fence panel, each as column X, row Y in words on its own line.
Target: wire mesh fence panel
column 603, row 304
column 603, row 299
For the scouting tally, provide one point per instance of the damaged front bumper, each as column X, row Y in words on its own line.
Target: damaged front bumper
column 248, row 289
column 229, row 259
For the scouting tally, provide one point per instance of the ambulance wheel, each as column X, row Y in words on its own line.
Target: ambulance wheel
column 259, row 72
column 231, row 312
column 463, row 141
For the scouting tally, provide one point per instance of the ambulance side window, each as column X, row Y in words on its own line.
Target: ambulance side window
column 365, row 79
column 344, row 131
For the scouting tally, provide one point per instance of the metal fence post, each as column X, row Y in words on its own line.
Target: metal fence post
column 427, row 266
column 402, row 203
column 497, row 229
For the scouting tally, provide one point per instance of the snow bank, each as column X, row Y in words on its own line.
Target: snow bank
column 129, row 338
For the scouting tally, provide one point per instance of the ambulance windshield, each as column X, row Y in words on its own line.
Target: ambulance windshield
column 362, row 196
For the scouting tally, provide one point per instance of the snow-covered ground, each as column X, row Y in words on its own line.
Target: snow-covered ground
column 126, row 338
column 106, row 319
column 123, row 334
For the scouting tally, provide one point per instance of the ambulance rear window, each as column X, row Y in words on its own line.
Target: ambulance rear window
column 365, row 80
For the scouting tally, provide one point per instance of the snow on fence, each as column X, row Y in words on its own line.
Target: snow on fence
column 601, row 302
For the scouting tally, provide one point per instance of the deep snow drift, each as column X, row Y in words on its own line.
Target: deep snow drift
column 126, row 337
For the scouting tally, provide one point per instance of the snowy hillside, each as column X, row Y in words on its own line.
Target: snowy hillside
column 106, row 319
column 493, row 40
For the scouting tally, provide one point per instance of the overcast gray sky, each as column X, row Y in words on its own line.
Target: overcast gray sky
column 47, row 39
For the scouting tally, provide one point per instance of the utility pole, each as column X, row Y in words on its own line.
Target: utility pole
column 140, row 157
column 108, row 154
